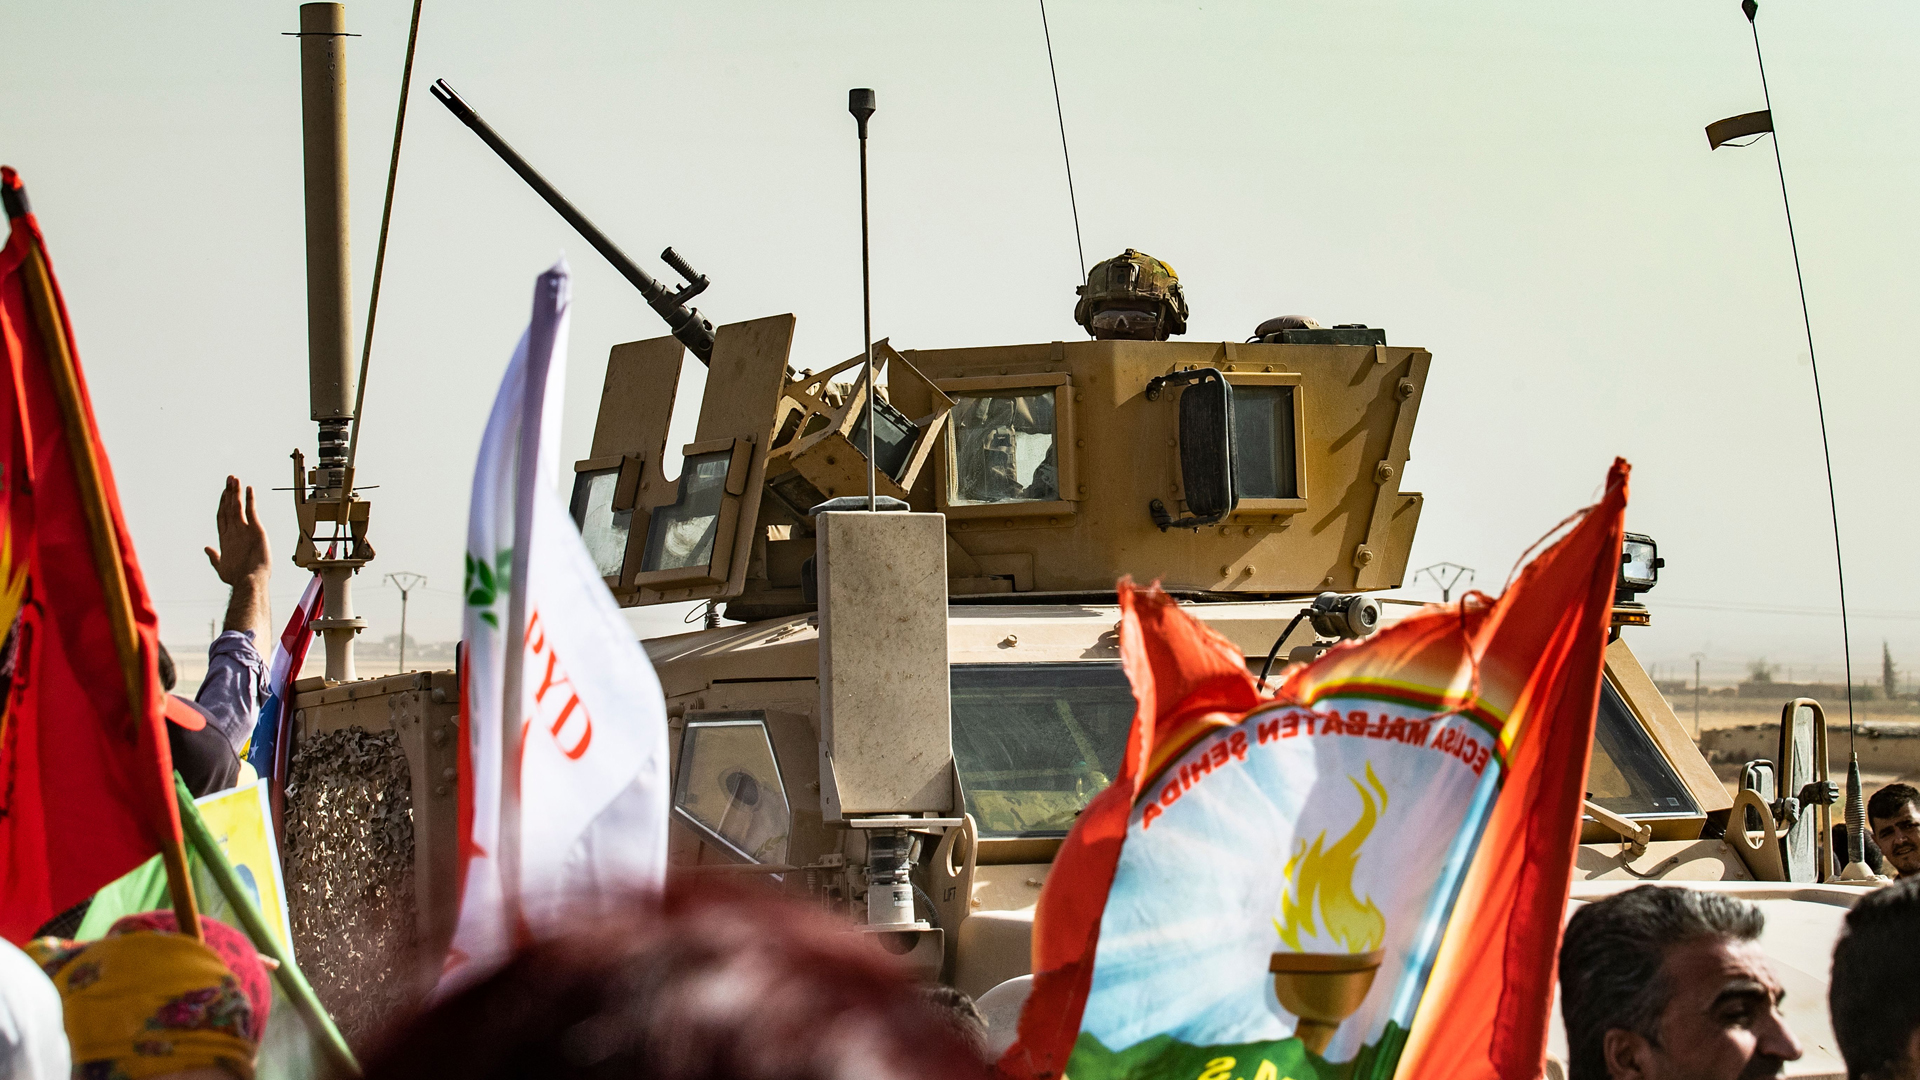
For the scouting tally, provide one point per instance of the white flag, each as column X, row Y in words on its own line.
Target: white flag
column 592, row 777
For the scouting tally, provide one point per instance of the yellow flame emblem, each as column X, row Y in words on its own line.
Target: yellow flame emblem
column 13, row 588
column 1325, row 875
column 13, row 578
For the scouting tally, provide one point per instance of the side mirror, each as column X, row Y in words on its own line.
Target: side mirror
column 1802, row 761
column 1206, row 447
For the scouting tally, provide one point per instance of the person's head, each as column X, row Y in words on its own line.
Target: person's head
column 961, row 1015
column 1670, row 984
column 1893, row 820
column 33, row 1038
column 145, row 1002
column 1132, row 296
column 1873, row 996
column 703, row 983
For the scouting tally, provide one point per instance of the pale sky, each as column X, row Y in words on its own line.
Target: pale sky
column 1523, row 188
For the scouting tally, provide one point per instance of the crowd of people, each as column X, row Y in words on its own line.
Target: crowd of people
column 712, row 982
column 1670, row 983
column 707, row 981
column 704, row 982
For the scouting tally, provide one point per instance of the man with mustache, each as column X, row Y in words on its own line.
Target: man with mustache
column 1876, row 1014
column 1664, row 983
column 1893, row 820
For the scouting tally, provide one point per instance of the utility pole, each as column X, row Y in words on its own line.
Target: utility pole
column 406, row 581
column 1697, row 657
column 1446, row 575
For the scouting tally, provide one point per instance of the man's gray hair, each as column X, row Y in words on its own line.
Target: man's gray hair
column 1611, row 957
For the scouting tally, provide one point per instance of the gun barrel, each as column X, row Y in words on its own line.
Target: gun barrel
column 687, row 324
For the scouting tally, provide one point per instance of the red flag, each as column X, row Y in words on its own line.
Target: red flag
column 86, row 778
column 1153, row 952
column 1491, row 992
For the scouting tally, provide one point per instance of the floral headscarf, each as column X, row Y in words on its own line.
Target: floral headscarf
column 144, row 1000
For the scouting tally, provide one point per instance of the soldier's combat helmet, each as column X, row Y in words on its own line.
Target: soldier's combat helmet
column 1132, row 296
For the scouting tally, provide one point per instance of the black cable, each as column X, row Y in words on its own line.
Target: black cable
column 1267, row 667
column 933, row 913
column 1833, row 505
column 1064, row 156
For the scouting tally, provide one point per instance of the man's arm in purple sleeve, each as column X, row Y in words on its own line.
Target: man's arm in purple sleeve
column 236, row 682
column 235, row 686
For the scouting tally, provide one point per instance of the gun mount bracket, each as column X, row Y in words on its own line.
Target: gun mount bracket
column 1165, row 520
column 1177, row 378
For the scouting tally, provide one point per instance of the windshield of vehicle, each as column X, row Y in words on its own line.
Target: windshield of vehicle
column 1628, row 774
column 1035, row 742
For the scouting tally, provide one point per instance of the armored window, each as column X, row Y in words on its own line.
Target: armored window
column 1628, row 775
column 1008, row 447
column 601, row 526
column 1263, row 451
column 1269, row 443
column 1002, row 448
column 682, row 535
column 894, row 436
column 1035, row 742
column 728, row 789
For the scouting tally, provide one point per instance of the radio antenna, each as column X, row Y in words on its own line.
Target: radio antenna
column 1751, row 8
column 860, row 104
column 1717, row 135
column 1061, row 115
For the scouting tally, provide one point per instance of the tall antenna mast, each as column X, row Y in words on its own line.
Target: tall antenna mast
column 1733, row 128
column 1061, row 115
column 860, row 104
column 1751, row 8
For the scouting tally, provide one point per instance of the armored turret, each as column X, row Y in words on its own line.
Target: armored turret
column 1225, row 470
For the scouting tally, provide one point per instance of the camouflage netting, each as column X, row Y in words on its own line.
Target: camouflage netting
column 349, row 868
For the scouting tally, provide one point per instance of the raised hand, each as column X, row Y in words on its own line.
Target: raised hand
column 243, row 552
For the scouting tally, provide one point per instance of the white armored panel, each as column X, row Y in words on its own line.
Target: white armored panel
column 885, row 742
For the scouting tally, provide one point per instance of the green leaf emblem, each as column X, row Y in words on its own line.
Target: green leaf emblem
column 485, row 583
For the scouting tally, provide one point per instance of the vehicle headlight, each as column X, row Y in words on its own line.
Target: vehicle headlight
column 1345, row 617
column 1640, row 564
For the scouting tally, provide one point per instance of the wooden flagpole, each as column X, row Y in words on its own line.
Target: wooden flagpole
column 107, row 560
column 292, row 982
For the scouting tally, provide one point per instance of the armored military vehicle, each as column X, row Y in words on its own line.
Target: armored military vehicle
column 908, row 707
column 917, row 703
column 917, row 548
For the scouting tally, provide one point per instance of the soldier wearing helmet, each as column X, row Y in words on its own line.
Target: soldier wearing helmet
column 1133, row 297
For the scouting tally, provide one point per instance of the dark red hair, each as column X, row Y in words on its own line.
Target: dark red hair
column 706, row 982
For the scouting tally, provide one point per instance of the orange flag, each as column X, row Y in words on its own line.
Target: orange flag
column 1361, row 876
